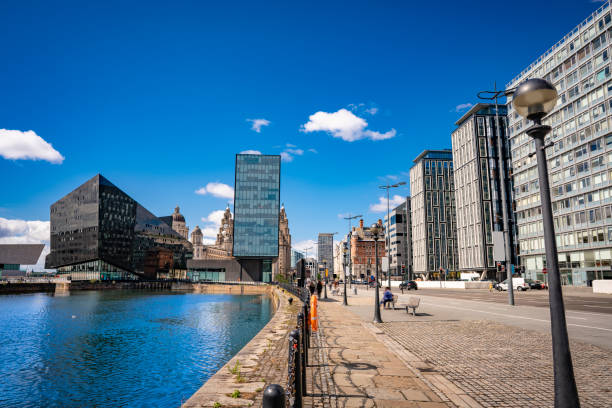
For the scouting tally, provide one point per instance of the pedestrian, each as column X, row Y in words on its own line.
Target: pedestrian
column 387, row 297
column 311, row 287
column 319, row 288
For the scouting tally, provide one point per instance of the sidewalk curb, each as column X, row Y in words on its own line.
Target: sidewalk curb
column 444, row 389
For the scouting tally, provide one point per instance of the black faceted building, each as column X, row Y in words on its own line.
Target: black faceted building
column 99, row 232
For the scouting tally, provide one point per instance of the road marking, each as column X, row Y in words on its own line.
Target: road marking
column 531, row 318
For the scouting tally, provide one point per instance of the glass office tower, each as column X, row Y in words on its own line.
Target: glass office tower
column 256, row 209
column 325, row 251
column 579, row 153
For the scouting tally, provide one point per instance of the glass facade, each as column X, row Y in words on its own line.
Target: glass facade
column 325, row 250
column 256, row 206
column 99, row 232
column 207, row 275
column 579, row 159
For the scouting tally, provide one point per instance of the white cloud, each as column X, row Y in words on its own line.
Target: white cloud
column 372, row 111
column 257, row 124
column 219, row 190
column 18, row 145
column 290, row 145
column 309, row 243
column 381, row 206
column 345, row 125
column 215, row 217
column 26, row 232
column 286, row 157
column 212, row 222
column 463, row 106
column 250, row 152
column 297, row 152
column 313, row 151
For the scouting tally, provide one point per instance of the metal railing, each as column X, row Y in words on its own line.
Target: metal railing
column 299, row 342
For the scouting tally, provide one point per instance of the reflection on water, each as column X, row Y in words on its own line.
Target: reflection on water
column 119, row 348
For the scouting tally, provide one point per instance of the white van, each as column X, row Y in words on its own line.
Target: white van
column 517, row 284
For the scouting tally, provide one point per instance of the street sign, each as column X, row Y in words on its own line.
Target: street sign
column 499, row 253
column 385, row 264
column 544, row 271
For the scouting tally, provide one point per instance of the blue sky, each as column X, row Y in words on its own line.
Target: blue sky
column 157, row 96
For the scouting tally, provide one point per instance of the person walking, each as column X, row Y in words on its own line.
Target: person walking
column 311, row 287
column 319, row 288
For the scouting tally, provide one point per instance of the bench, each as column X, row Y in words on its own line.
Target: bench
column 393, row 302
column 413, row 303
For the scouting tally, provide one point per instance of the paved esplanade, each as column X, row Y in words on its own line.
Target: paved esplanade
column 454, row 353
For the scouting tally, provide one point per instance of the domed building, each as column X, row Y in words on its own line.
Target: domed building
column 198, row 246
column 178, row 223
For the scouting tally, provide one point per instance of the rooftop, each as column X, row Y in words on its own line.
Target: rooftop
column 444, row 154
column 23, row 254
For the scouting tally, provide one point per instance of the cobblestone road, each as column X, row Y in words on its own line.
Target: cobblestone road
column 473, row 355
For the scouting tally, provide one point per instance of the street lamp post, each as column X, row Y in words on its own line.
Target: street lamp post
column 350, row 217
column 534, row 99
column 375, row 230
column 344, row 250
column 388, row 233
column 502, row 187
column 325, row 277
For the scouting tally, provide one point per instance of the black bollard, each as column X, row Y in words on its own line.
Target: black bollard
column 274, row 397
column 290, row 300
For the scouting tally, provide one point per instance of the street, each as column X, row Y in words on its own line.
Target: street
column 588, row 317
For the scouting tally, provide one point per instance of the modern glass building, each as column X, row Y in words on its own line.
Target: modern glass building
column 256, row 210
column 579, row 156
column 99, row 232
column 295, row 257
column 325, row 252
column 434, row 231
column 478, row 192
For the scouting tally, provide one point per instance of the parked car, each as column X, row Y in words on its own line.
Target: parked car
column 517, row 283
column 407, row 285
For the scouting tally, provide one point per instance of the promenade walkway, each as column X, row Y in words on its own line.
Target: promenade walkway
column 351, row 367
column 445, row 357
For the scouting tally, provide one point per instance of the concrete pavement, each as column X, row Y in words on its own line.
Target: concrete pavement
column 466, row 352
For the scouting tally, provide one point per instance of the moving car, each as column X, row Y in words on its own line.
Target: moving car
column 535, row 284
column 407, row 285
column 517, row 283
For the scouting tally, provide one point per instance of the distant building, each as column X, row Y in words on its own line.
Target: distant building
column 99, row 232
column 177, row 222
column 295, row 257
column 363, row 255
column 196, row 241
column 434, row 232
column 12, row 256
column 400, row 233
column 325, row 251
column 282, row 265
column 478, row 194
column 256, row 213
column 312, row 268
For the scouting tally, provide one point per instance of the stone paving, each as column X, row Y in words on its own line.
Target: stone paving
column 502, row 366
column 351, row 367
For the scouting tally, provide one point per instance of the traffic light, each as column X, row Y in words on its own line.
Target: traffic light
column 499, row 267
